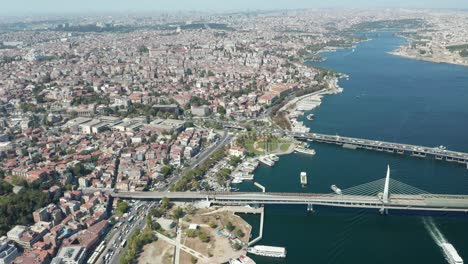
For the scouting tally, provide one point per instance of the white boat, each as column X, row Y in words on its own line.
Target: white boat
column 305, row 150
column 336, row 189
column 268, row 251
column 310, row 117
column 267, row 161
column 451, row 254
column 236, row 180
column 304, row 178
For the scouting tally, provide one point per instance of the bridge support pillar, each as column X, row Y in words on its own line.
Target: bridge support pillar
column 383, row 211
column 310, row 207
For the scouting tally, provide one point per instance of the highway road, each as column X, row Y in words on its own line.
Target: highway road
column 223, row 141
column 118, row 234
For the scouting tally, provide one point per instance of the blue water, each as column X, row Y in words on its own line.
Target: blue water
column 387, row 98
column 394, row 98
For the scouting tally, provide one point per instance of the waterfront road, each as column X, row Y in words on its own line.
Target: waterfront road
column 122, row 231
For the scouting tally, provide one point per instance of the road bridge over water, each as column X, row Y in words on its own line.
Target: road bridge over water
column 382, row 146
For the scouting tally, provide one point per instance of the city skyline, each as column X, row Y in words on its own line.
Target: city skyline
column 29, row 7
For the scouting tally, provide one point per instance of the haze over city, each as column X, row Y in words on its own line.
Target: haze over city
column 122, row 6
column 233, row 132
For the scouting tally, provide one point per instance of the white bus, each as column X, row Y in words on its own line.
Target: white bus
column 123, row 243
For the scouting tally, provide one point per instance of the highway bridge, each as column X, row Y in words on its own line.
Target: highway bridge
column 418, row 151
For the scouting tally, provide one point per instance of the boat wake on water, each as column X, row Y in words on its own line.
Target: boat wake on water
column 450, row 253
column 434, row 231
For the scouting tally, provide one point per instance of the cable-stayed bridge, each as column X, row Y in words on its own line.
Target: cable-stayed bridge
column 382, row 194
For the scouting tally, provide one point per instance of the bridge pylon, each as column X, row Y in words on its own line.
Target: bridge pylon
column 386, row 194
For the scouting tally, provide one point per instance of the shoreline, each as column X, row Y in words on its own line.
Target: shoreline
column 398, row 52
column 402, row 51
column 306, row 103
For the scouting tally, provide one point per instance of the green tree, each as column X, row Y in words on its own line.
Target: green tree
column 230, row 226
column 166, row 170
column 5, row 188
column 122, row 207
column 203, row 237
column 165, row 203
column 221, row 110
column 177, row 213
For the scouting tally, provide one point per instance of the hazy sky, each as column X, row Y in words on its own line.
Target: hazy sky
column 14, row 7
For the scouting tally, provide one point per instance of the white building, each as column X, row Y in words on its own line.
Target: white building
column 8, row 252
column 70, row 255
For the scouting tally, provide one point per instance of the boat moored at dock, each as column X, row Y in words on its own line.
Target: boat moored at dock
column 268, row 251
column 305, row 150
column 267, row 161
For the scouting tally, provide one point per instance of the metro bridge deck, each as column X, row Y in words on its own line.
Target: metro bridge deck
column 427, row 202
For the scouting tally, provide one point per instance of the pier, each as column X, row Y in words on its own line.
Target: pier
column 389, row 147
column 260, row 186
column 260, row 232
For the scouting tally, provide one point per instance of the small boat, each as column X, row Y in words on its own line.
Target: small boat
column 303, row 178
column 442, row 147
column 336, row 189
column 310, row 117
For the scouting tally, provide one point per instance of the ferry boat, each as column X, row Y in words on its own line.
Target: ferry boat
column 303, row 178
column 336, row 189
column 305, row 150
column 268, row 251
column 451, row 254
column 242, row 260
column 310, row 117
